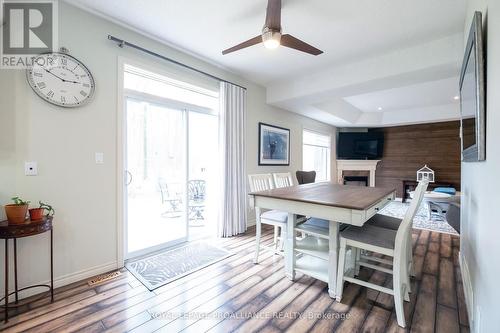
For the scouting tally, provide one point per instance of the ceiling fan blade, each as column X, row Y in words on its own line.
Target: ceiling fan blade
column 250, row 42
column 273, row 14
column 295, row 43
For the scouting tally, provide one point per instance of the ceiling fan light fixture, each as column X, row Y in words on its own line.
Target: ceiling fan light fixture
column 271, row 38
column 271, row 35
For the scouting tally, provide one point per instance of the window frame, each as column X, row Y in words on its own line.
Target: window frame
column 328, row 171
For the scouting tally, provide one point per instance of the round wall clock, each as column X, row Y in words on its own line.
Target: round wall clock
column 61, row 79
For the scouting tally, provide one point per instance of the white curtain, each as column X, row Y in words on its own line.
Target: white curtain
column 233, row 219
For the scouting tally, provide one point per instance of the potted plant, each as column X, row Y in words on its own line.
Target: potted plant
column 37, row 213
column 16, row 212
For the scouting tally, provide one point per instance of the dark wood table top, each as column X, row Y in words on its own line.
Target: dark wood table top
column 330, row 194
column 28, row 228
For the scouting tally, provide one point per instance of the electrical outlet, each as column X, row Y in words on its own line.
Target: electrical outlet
column 30, row 169
column 99, row 158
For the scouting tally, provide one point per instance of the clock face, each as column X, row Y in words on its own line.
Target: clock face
column 61, row 79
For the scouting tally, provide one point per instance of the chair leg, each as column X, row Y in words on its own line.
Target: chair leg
column 341, row 268
column 399, row 288
column 406, row 289
column 257, row 240
column 276, row 231
column 283, row 238
column 409, row 254
column 408, row 268
column 357, row 258
column 407, row 280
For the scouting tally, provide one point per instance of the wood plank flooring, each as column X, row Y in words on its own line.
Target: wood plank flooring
column 236, row 295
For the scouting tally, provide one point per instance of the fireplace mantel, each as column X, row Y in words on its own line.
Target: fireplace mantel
column 356, row 165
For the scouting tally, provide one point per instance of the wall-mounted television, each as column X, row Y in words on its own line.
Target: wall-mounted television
column 360, row 145
column 473, row 95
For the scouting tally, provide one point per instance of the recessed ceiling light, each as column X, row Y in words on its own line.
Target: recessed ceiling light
column 379, row 108
column 456, row 98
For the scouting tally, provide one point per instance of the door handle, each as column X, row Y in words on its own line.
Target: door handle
column 129, row 174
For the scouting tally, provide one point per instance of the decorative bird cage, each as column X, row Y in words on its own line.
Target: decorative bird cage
column 425, row 173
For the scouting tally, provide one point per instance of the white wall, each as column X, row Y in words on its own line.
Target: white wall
column 480, row 226
column 63, row 142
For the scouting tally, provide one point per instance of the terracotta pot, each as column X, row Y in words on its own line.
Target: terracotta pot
column 16, row 214
column 36, row 213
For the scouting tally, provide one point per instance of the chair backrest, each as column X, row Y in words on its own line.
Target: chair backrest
column 406, row 224
column 196, row 190
column 260, row 182
column 162, row 185
column 305, row 177
column 283, row 179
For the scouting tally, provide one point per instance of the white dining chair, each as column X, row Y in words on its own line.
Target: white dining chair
column 278, row 219
column 392, row 223
column 392, row 243
column 283, row 179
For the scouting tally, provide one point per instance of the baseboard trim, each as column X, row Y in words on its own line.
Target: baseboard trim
column 85, row 274
column 468, row 291
column 70, row 278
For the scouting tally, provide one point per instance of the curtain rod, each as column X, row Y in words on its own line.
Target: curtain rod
column 122, row 43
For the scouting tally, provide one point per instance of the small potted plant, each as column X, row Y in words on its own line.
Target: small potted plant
column 16, row 212
column 37, row 213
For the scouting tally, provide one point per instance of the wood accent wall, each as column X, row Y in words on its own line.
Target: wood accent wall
column 408, row 148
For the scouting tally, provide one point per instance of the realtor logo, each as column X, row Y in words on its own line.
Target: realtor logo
column 28, row 28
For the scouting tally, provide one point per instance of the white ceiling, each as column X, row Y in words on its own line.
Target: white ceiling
column 421, row 95
column 347, row 31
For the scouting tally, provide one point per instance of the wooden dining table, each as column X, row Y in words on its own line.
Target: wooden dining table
column 335, row 203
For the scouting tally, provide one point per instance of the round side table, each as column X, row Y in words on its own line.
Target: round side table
column 15, row 231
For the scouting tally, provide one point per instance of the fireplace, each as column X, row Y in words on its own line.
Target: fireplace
column 346, row 168
column 356, row 180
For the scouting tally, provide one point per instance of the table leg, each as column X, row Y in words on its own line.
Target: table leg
column 333, row 257
column 6, row 279
column 290, row 246
column 15, row 269
column 51, row 265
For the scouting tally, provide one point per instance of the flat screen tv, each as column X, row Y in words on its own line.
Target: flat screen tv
column 473, row 95
column 360, row 145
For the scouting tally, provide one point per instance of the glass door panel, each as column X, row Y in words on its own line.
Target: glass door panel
column 203, row 180
column 156, row 177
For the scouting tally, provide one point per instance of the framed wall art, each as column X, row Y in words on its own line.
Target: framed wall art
column 274, row 145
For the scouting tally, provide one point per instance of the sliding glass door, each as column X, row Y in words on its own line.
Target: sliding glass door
column 171, row 161
column 156, row 170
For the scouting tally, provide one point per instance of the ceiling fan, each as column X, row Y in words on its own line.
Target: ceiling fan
column 271, row 34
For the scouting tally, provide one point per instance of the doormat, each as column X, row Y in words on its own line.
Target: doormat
column 162, row 268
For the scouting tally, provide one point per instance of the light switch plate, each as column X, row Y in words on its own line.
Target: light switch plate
column 99, row 158
column 30, row 169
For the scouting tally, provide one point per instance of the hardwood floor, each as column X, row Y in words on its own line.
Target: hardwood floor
column 221, row 297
